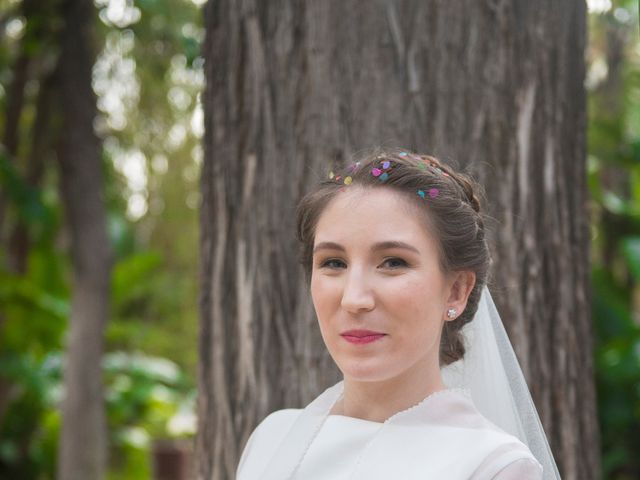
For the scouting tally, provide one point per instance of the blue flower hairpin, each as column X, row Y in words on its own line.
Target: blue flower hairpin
column 433, row 193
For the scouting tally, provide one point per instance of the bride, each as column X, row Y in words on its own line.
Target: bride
column 395, row 255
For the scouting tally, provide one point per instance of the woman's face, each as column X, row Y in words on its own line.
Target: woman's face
column 375, row 267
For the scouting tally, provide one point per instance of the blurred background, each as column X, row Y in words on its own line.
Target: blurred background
column 148, row 80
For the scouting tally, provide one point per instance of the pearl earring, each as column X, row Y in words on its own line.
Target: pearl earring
column 451, row 313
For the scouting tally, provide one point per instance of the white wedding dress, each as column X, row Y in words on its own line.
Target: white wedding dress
column 452, row 441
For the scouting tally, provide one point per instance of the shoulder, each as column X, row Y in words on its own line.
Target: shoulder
column 264, row 440
column 279, row 420
column 510, row 461
column 274, row 427
column 522, row 469
column 506, row 457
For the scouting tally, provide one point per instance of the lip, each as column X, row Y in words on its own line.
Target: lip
column 363, row 340
column 361, row 333
column 360, row 337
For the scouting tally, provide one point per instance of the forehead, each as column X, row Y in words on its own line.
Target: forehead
column 372, row 214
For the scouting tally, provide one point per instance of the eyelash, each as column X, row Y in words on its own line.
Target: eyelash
column 404, row 264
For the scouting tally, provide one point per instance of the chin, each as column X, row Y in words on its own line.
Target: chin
column 365, row 371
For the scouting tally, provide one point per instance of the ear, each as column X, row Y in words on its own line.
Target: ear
column 459, row 292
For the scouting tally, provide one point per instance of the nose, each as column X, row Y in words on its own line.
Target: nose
column 357, row 294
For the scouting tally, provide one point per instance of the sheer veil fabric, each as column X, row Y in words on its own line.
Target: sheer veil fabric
column 489, row 373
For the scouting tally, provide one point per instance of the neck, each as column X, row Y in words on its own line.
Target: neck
column 378, row 400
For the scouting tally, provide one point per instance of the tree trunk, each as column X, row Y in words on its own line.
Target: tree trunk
column 82, row 451
column 295, row 85
column 15, row 102
column 19, row 243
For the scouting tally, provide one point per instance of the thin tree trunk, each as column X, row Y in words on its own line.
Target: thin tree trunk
column 15, row 101
column 41, row 136
column 83, row 451
column 295, row 85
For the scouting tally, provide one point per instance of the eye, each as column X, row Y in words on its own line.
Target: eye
column 330, row 263
column 397, row 261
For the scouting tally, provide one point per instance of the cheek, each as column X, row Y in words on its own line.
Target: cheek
column 419, row 295
column 418, row 306
column 324, row 296
column 326, row 299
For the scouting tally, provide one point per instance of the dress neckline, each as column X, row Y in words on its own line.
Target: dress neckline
column 460, row 390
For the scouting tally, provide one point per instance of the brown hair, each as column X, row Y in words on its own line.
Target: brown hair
column 454, row 214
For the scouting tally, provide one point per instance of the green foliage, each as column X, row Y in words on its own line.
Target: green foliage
column 27, row 200
column 162, row 43
column 151, row 334
column 29, row 431
column 143, row 393
column 614, row 181
column 144, row 396
column 618, row 377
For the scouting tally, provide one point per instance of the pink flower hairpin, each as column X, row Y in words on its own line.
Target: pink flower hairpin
column 379, row 172
column 433, row 193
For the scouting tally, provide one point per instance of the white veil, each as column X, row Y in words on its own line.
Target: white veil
column 490, row 370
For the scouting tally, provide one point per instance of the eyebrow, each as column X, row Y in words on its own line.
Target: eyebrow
column 375, row 247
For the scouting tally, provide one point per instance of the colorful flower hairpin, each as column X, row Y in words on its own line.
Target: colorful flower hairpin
column 433, row 193
column 380, row 172
column 348, row 180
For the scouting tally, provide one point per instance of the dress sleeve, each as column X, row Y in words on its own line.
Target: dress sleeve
column 263, row 442
column 513, row 461
column 521, row 469
column 245, row 451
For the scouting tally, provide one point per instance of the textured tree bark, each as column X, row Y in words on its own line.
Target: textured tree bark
column 82, row 451
column 292, row 86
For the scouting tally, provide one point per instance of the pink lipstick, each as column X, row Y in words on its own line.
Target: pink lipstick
column 360, row 337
